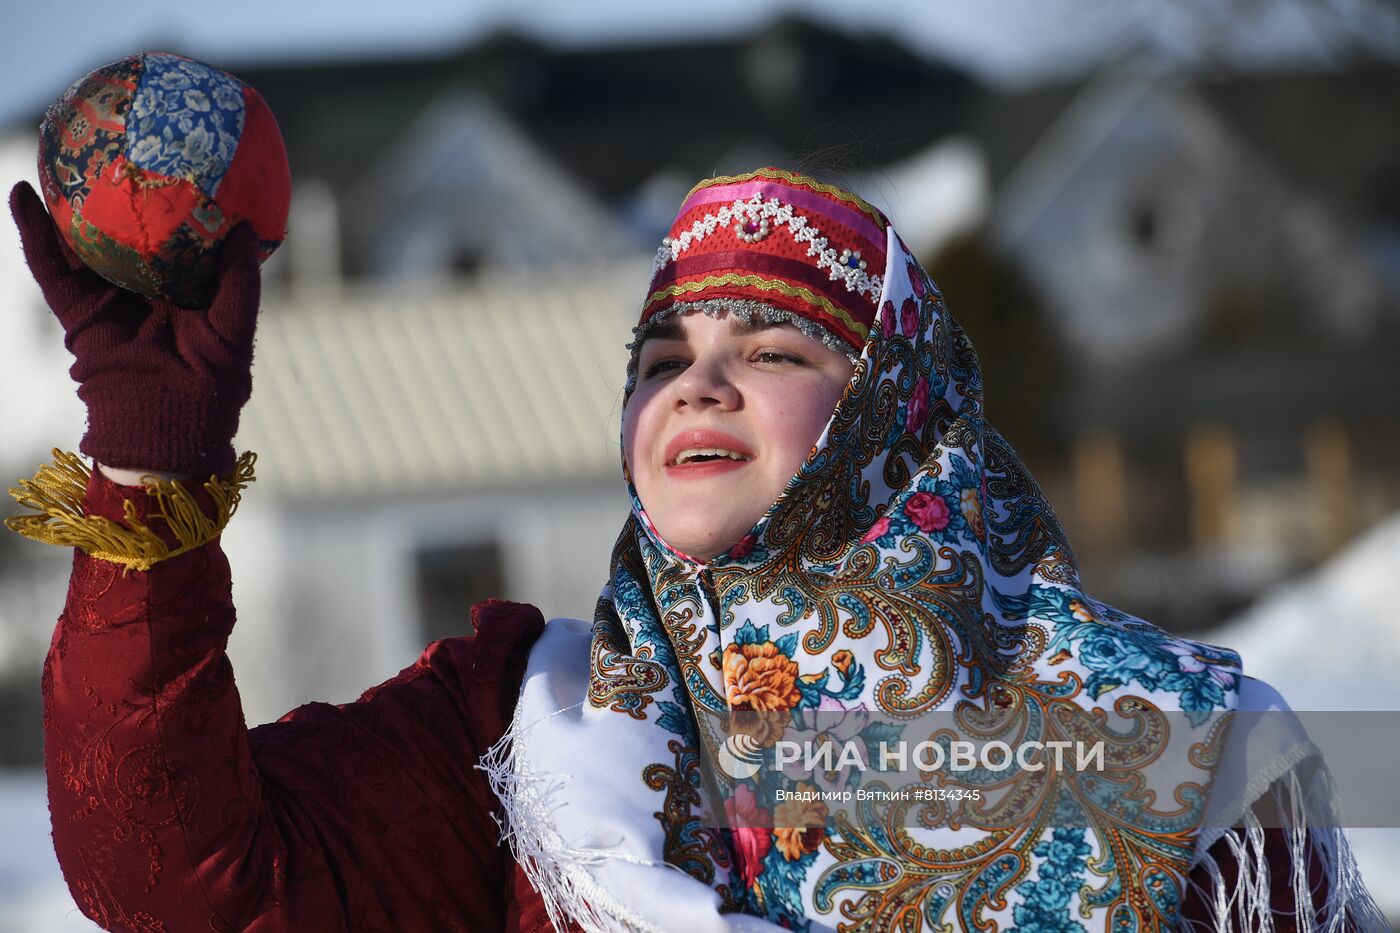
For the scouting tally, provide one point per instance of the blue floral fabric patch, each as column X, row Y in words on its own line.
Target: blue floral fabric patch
column 186, row 120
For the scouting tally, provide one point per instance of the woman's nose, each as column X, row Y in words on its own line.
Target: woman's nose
column 705, row 383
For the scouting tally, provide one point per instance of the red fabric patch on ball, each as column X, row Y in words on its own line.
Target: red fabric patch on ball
column 137, row 209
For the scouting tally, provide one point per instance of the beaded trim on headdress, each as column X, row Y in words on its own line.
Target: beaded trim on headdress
column 755, row 220
column 796, row 178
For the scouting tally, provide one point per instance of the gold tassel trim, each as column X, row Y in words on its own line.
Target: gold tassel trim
column 58, row 490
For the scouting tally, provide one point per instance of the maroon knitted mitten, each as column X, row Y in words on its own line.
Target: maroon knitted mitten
column 163, row 384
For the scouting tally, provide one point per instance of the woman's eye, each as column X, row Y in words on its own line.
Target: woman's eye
column 776, row 356
column 659, row 367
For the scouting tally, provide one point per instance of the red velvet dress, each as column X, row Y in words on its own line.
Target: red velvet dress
column 170, row 815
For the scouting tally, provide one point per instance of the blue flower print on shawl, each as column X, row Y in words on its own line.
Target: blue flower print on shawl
column 1121, row 651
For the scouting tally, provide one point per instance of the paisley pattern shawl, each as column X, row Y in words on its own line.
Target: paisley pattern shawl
column 912, row 565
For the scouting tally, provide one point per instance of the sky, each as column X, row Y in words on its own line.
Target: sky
column 1000, row 40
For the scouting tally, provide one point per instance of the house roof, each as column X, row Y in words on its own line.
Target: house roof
column 464, row 179
column 612, row 117
column 1333, row 133
column 377, row 392
column 1329, row 132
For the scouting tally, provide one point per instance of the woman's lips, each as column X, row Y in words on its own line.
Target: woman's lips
column 700, row 469
column 709, row 441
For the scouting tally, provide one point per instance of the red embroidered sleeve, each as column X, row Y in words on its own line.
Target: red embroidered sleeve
column 169, row 815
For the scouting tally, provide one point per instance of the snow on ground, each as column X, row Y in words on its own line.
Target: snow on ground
column 33, row 897
column 1330, row 640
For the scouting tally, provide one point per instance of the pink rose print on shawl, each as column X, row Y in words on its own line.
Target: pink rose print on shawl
column 743, row 548
column 751, row 826
column 918, row 406
column 928, row 511
column 877, row 530
column 916, row 279
column 909, row 317
column 887, row 320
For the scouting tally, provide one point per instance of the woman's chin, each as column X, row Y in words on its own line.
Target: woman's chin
column 704, row 553
column 704, row 548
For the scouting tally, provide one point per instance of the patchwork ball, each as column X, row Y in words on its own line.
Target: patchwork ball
column 147, row 163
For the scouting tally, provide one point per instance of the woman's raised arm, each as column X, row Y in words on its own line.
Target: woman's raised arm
column 168, row 813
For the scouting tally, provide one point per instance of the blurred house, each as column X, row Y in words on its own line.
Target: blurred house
column 1231, row 326
column 464, row 189
column 1141, row 210
column 421, row 450
column 511, row 152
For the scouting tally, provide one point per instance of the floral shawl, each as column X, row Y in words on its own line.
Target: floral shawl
column 912, row 565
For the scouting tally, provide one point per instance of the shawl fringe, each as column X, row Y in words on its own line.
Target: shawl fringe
column 1247, row 906
column 555, row 868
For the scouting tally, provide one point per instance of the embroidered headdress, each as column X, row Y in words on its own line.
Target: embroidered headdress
column 776, row 244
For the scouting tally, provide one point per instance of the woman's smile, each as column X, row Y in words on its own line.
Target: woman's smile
column 695, row 454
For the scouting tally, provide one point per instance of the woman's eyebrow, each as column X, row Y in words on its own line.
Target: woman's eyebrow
column 739, row 328
column 666, row 330
column 670, row 329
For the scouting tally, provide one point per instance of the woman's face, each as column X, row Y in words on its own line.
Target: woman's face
column 722, row 416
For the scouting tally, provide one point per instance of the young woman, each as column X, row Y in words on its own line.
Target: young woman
column 823, row 523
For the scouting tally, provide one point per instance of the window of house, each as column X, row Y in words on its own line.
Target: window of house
column 1161, row 222
column 450, row 579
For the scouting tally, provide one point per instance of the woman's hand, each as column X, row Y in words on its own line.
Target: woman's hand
column 163, row 384
column 136, row 477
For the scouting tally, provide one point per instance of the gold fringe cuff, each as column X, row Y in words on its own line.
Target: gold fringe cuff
column 58, row 490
